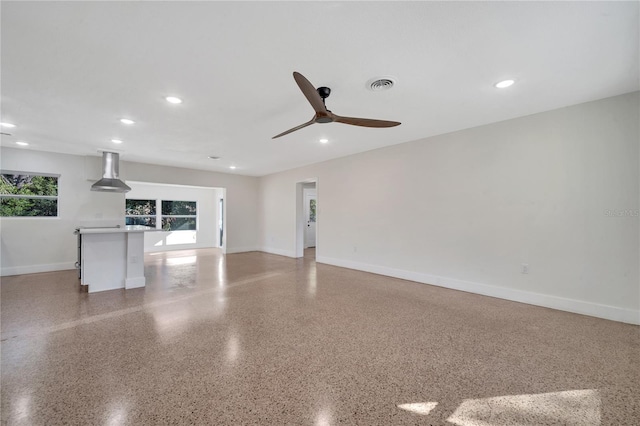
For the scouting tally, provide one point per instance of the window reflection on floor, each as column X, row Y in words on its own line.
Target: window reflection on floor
column 422, row 408
column 573, row 407
column 186, row 260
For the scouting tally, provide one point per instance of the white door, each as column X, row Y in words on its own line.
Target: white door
column 310, row 218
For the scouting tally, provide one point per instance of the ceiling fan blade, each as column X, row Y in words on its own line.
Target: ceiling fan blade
column 310, row 92
column 308, row 123
column 364, row 122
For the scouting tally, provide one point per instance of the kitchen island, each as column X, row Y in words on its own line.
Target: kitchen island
column 112, row 257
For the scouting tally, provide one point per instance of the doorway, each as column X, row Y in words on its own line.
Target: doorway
column 307, row 215
column 310, row 204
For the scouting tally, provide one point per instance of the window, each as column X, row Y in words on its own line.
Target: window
column 312, row 210
column 141, row 212
column 165, row 214
column 179, row 215
column 28, row 195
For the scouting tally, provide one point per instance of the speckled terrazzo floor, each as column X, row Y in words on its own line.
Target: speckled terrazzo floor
column 255, row 338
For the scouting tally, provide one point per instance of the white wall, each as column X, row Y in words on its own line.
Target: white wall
column 206, row 233
column 465, row 210
column 47, row 244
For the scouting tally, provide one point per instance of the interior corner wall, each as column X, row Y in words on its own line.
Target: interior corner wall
column 207, row 216
column 30, row 245
column 557, row 191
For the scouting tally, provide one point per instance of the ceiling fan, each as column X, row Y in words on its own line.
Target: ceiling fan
column 316, row 98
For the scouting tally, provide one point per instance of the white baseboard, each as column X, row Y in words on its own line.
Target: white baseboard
column 613, row 313
column 34, row 269
column 135, row 282
column 241, row 249
column 280, row 252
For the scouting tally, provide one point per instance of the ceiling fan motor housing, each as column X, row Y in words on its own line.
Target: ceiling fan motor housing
column 324, row 92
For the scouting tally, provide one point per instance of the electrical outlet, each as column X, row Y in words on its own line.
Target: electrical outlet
column 525, row 268
column 355, row 249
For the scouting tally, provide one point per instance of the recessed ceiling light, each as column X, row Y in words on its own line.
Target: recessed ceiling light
column 9, row 125
column 173, row 100
column 116, row 141
column 21, row 143
column 324, row 140
column 504, row 83
column 232, row 167
column 127, row 121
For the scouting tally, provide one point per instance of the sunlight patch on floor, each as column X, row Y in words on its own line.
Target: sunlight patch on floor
column 422, row 408
column 180, row 237
column 574, row 407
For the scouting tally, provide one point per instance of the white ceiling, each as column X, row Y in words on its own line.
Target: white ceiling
column 71, row 70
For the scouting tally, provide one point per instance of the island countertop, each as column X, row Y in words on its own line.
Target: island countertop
column 111, row 257
column 110, row 230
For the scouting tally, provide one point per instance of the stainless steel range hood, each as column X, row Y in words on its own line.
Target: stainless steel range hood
column 110, row 171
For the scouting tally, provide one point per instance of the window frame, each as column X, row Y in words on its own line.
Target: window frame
column 177, row 216
column 56, row 198
column 155, row 216
column 159, row 216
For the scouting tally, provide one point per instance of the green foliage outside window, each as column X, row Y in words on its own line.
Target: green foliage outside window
column 140, row 208
column 312, row 211
column 140, row 212
column 174, row 215
column 178, row 224
column 179, row 215
column 143, row 220
column 178, row 208
column 28, row 195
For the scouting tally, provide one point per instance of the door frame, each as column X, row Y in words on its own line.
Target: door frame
column 301, row 220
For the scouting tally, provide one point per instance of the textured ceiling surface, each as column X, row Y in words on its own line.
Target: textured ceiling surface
column 71, row 70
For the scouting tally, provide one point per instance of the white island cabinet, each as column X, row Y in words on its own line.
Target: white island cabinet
column 111, row 258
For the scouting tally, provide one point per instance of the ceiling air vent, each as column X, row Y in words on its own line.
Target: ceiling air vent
column 379, row 84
